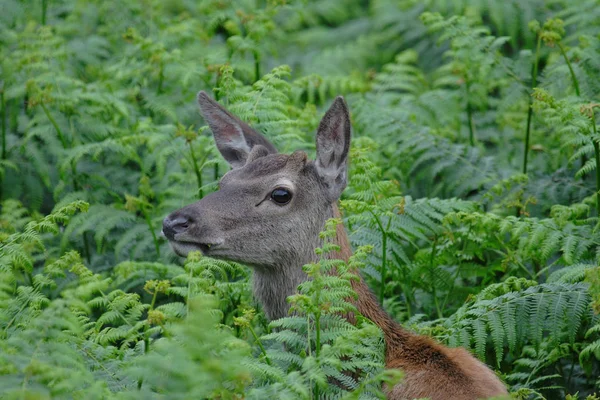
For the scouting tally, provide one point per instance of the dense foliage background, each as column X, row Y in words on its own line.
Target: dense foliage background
column 474, row 178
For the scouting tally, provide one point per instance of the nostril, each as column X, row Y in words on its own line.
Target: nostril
column 173, row 226
column 180, row 224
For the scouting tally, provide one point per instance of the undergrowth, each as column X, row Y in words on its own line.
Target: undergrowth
column 475, row 182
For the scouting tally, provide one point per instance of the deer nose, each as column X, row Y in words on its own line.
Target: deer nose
column 175, row 225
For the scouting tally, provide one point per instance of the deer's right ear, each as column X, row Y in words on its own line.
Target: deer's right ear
column 234, row 138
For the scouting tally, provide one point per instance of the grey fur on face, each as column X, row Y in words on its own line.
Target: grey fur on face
column 245, row 222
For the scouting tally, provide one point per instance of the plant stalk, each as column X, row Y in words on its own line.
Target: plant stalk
column 59, row 132
column 217, row 97
column 146, row 338
column 464, row 246
column 383, row 255
column 470, row 116
column 256, row 65
column 403, row 289
column 597, row 154
column 433, row 291
column 154, row 238
column 161, row 78
column 3, row 122
column 534, row 72
column 196, row 170
column 383, row 267
column 318, row 330
column 44, row 11
column 260, row 345
column 575, row 84
column 573, row 77
column 317, row 337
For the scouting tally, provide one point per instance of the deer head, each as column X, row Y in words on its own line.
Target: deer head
column 270, row 207
column 268, row 213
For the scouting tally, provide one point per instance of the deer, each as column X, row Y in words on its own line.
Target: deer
column 267, row 213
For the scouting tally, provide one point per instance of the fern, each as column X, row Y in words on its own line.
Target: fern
column 210, row 365
column 518, row 317
column 331, row 349
column 474, row 168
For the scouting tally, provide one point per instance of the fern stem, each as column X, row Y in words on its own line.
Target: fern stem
column 317, row 335
column 146, row 337
column 534, row 72
column 573, row 362
column 573, row 77
column 3, row 122
column 59, row 132
column 432, row 276
column 383, row 254
column 86, row 242
column 383, row 268
column 470, row 116
column 260, row 345
column 597, row 154
column 154, row 238
column 189, row 289
column 308, row 334
column 575, row 84
column 464, row 246
column 86, row 248
column 153, row 300
column 317, row 315
column 256, row 65
column 318, row 329
column 161, row 78
column 403, row 289
column 196, row 170
column 44, row 11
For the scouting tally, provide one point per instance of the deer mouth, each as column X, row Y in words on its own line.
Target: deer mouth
column 182, row 249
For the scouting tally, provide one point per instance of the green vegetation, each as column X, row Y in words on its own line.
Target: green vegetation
column 475, row 179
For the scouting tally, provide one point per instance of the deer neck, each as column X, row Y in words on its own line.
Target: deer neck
column 272, row 286
column 366, row 303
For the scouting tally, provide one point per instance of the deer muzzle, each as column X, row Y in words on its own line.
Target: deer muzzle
column 186, row 233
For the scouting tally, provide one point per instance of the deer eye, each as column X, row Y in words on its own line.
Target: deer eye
column 281, row 196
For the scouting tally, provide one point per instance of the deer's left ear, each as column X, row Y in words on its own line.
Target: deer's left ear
column 333, row 143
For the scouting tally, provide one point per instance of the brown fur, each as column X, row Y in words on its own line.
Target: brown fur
column 431, row 370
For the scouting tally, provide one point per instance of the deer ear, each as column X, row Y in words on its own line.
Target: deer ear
column 333, row 143
column 234, row 138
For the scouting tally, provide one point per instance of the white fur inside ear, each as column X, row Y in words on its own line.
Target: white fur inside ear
column 334, row 177
column 234, row 141
column 329, row 172
column 232, row 145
